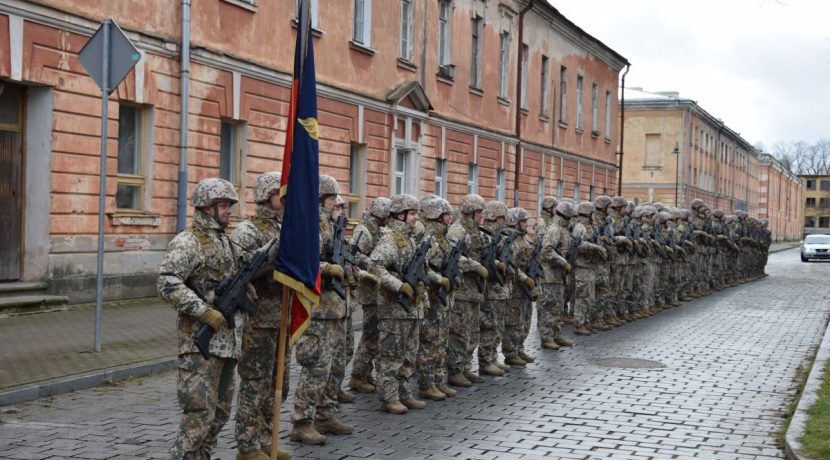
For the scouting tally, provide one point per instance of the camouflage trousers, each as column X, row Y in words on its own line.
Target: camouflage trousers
column 397, row 352
column 517, row 318
column 204, row 388
column 647, row 283
column 463, row 337
column 255, row 398
column 432, row 345
column 602, row 292
column 549, row 307
column 620, row 287
column 491, row 326
column 317, row 387
column 367, row 349
column 584, row 281
column 343, row 353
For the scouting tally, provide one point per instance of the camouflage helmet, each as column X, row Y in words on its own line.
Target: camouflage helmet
column 660, row 206
column 631, row 207
column 741, row 214
column 339, row 202
column 687, row 214
column 648, row 210
column 433, row 207
column 717, row 213
column 516, row 215
column 549, row 202
column 730, row 219
column 266, row 185
column 618, row 202
column 602, row 202
column 471, row 203
column 662, row 216
column 211, row 191
column 566, row 209
column 495, row 209
column 328, row 186
column 636, row 212
column 697, row 203
column 585, row 209
column 676, row 213
column 402, row 203
column 380, row 207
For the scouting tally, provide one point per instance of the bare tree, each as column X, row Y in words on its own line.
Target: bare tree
column 802, row 158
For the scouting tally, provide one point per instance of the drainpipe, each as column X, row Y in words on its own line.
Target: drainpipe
column 622, row 130
column 181, row 203
column 519, row 153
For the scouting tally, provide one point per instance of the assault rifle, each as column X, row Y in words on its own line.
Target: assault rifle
column 506, row 251
column 570, row 256
column 232, row 295
column 413, row 273
column 534, row 267
column 340, row 254
column 488, row 259
column 449, row 268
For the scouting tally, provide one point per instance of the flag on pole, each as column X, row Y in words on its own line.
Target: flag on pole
column 298, row 258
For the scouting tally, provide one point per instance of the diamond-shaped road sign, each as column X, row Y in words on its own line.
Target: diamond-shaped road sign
column 123, row 56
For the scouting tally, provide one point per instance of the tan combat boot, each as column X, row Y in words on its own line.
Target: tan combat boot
column 345, row 396
column 414, row 404
column 282, row 454
column 306, row 434
column 550, row 344
column 361, row 385
column 491, row 369
column 563, row 342
column 473, row 378
column 503, row 366
column 446, row 390
column 458, row 380
column 582, row 330
column 432, row 394
column 254, row 455
column 394, row 407
column 333, row 426
column 516, row 361
column 526, row 357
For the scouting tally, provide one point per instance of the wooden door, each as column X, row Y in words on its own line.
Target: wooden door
column 11, row 180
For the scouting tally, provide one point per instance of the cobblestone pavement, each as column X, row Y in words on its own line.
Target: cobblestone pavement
column 728, row 363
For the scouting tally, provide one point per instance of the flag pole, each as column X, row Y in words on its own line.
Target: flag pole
column 285, row 309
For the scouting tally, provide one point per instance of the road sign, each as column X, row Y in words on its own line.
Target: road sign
column 123, row 55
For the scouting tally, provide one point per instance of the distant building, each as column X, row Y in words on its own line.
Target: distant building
column 816, row 204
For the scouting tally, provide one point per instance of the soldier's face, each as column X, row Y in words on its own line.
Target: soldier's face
column 223, row 212
column 336, row 212
column 330, row 201
column 411, row 217
column 446, row 218
column 523, row 225
column 500, row 220
column 478, row 217
column 276, row 202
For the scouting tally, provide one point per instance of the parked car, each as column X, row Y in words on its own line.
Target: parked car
column 815, row 247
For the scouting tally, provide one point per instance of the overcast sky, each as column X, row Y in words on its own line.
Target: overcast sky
column 762, row 66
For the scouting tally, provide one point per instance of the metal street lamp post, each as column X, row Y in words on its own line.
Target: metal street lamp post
column 676, row 153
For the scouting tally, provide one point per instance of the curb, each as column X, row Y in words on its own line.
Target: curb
column 808, row 397
column 785, row 248
column 84, row 381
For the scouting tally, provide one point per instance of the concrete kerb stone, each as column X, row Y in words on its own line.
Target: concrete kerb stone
column 86, row 380
column 792, row 444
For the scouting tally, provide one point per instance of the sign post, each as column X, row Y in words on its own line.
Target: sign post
column 107, row 57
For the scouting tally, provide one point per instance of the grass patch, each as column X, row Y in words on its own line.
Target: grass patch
column 802, row 372
column 816, row 439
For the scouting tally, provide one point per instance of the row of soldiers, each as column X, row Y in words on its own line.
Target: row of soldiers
column 436, row 284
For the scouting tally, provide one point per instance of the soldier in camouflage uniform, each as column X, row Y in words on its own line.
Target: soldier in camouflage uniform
column 464, row 315
column 491, row 321
column 316, row 398
column 196, row 261
column 556, row 240
column 589, row 255
column 606, row 316
column 366, row 235
column 624, row 248
column 255, row 399
column 517, row 316
column 545, row 215
column 398, row 326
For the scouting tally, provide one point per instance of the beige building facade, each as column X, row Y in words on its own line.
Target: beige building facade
column 816, row 204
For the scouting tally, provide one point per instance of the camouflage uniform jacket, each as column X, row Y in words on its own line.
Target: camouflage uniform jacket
column 555, row 244
column 252, row 234
column 200, row 257
column 441, row 250
column 394, row 250
column 332, row 306
column 494, row 290
column 587, row 256
column 599, row 225
column 541, row 224
column 475, row 243
column 621, row 242
column 522, row 252
column 367, row 233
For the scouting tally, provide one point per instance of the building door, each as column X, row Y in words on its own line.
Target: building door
column 11, row 180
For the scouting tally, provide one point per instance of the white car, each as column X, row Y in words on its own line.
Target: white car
column 815, row 247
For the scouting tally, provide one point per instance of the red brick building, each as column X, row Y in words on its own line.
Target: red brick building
column 415, row 96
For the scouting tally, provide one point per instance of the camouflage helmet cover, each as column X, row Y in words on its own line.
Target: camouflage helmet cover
column 266, row 185
column 403, row 202
column 566, row 209
column 648, row 210
column 516, row 215
column 585, row 209
column 380, row 207
column 433, row 207
column 549, row 202
column 339, row 201
column 328, row 186
column 663, row 216
column 212, row 190
column 676, row 213
column 660, row 206
column 471, row 203
column 495, row 209
column 602, row 202
column 697, row 203
column 717, row 213
column 618, row 202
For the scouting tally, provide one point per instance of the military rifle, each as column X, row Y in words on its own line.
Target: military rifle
column 340, row 254
column 506, row 251
column 488, row 259
column 413, row 273
column 534, row 267
column 449, row 268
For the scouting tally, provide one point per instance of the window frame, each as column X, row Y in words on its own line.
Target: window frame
column 576, row 192
column 441, row 177
column 476, row 51
column 543, row 89
column 580, row 103
column 444, row 32
column 138, row 180
column 500, row 184
column 810, row 202
column 504, row 57
column 313, row 11
column 595, row 109
column 524, row 81
column 563, row 95
column 357, row 179
column 399, row 171
column 235, row 162
column 608, row 125
column 472, row 178
column 406, row 30
column 540, row 194
column 365, row 38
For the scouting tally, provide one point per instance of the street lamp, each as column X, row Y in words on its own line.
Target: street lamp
column 676, row 153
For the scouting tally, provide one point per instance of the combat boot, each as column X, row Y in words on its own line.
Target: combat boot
column 394, row 407
column 414, row 404
column 503, row 366
column 582, row 330
column 306, row 433
column 345, row 396
column 563, row 342
column 443, row 388
column 361, row 385
column 550, row 344
column 333, row 426
column 491, row 369
column 253, row 455
column 433, row 394
column 459, row 380
column 473, row 378
column 526, row 357
column 282, row 454
column 516, row 361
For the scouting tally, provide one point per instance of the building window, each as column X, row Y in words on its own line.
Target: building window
column 229, row 157
column 401, row 160
column 576, row 193
column 560, row 189
column 363, row 22
column 563, row 94
column 312, row 11
column 580, row 96
column 608, row 114
column 540, row 195
column 499, row 185
column 130, row 159
column 811, row 184
column 441, row 177
column 591, row 193
column 824, row 203
column 595, row 109
column 543, row 89
column 406, row 30
column 824, row 222
column 653, row 159
column 525, row 52
column 472, row 178
column 504, row 52
column 357, row 179
column 825, row 185
column 811, row 202
column 475, row 58
column 444, row 27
